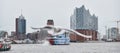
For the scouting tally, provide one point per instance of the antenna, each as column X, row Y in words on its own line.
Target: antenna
column 21, row 11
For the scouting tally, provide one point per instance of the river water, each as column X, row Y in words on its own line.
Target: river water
column 105, row 47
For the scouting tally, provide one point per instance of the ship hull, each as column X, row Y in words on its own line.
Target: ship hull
column 5, row 47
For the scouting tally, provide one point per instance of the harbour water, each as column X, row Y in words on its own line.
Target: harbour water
column 104, row 47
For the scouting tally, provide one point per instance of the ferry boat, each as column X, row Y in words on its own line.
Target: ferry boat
column 5, row 43
column 4, row 46
column 62, row 39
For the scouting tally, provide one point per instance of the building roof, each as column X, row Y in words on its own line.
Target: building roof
column 21, row 16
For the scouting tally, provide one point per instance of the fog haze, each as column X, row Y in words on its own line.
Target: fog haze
column 37, row 12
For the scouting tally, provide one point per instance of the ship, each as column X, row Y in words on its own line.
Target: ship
column 5, row 43
column 61, row 39
column 4, row 46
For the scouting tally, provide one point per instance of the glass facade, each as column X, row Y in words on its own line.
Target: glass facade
column 112, row 33
column 21, row 25
column 82, row 19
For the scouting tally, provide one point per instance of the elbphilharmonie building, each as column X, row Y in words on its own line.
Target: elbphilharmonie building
column 85, row 23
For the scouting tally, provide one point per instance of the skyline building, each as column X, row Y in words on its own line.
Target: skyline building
column 20, row 27
column 82, row 19
column 85, row 23
column 112, row 33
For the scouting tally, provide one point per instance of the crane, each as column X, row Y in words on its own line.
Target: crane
column 117, row 24
column 117, row 28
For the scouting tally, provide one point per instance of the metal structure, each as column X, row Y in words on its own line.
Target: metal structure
column 117, row 24
column 118, row 27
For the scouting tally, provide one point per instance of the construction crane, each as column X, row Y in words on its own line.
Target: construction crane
column 117, row 28
column 117, row 24
column 118, row 38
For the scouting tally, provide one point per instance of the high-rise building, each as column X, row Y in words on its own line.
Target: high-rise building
column 112, row 33
column 85, row 23
column 20, row 27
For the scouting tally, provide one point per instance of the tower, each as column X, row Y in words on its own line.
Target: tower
column 20, row 27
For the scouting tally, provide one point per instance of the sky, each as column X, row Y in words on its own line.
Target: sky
column 37, row 12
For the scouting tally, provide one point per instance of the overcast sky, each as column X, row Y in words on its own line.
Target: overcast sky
column 37, row 12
